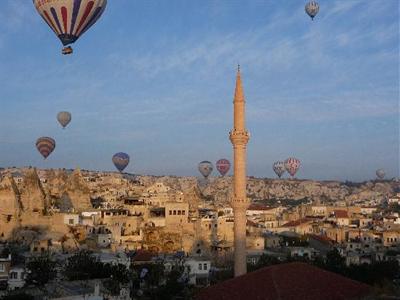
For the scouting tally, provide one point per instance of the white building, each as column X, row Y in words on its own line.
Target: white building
column 71, row 219
column 198, row 270
column 16, row 278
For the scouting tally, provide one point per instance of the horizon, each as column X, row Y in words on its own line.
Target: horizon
column 211, row 177
column 156, row 81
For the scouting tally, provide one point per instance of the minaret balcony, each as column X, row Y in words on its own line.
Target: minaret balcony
column 239, row 137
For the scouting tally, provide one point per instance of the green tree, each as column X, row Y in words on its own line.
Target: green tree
column 120, row 275
column 18, row 296
column 174, row 286
column 264, row 261
column 41, row 270
column 84, row 265
column 335, row 262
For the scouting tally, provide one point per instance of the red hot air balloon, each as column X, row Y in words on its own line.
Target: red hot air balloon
column 292, row 165
column 223, row 166
column 45, row 145
column 69, row 19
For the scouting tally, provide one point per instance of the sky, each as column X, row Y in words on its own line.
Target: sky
column 155, row 79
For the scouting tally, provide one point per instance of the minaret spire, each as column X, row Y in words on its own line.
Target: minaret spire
column 239, row 137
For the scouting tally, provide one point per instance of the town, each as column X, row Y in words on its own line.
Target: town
column 146, row 229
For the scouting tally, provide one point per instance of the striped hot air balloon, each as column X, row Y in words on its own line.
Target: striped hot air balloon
column 292, row 165
column 312, row 8
column 223, row 166
column 120, row 160
column 45, row 145
column 69, row 19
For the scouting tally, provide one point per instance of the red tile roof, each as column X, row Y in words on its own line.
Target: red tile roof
column 143, row 255
column 297, row 222
column 340, row 213
column 290, row 281
column 321, row 238
column 251, row 223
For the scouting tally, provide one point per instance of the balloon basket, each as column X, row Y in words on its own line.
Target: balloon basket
column 67, row 50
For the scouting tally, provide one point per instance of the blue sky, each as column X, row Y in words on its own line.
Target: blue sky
column 155, row 79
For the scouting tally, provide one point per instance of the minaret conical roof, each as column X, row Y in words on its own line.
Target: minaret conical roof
column 239, row 96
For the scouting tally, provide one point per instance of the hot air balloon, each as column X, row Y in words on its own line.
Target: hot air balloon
column 223, row 166
column 69, row 19
column 279, row 168
column 380, row 173
column 292, row 165
column 205, row 168
column 45, row 145
column 64, row 118
column 120, row 160
column 312, row 9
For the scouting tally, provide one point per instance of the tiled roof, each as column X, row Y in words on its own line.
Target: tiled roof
column 143, row 255
column 321, row 238
column 251, row 223
column 290, row 281
column 296, row 223
column 340, row 213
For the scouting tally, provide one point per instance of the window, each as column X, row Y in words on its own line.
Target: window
column 204, row 266
column 13, row 275
column 179, row 212
column 174, row 212
column 200, row 266
column 170, row 212
column 1, row 268
column 71, row 221
column 183, row 212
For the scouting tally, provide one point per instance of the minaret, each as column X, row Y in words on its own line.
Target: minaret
column 239, row 137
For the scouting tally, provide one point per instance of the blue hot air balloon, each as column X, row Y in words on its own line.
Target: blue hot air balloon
column 120, row 160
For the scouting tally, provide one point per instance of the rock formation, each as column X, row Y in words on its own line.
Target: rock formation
column 33, row 197
column 77, row 191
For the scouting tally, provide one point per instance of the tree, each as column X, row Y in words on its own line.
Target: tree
column 18, row 296
column 264, row 261
column 119, row 275
column 84, row 265
column 155, row 273
column 174, row 286
column 335, row 262
column 41, row 270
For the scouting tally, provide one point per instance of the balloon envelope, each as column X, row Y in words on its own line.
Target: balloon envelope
column 292, row 165
column 120, row 160
column 205, row 168
column 64, row 118
column 69, row 19
column 223, row 166
column 312, row 8
column 279, row 168
column 380, row 173
column 45, row 145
